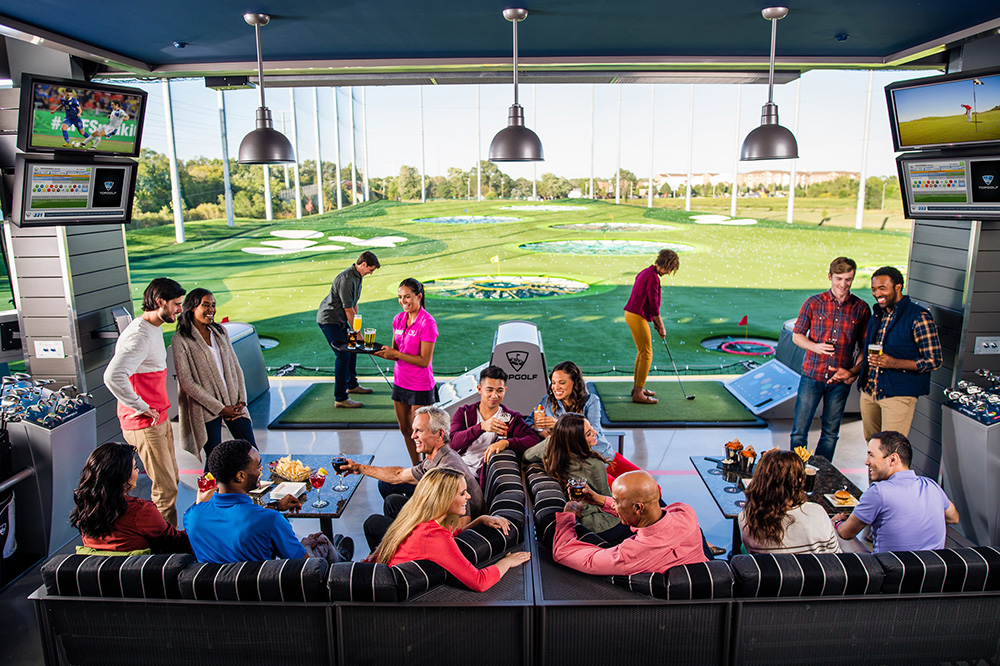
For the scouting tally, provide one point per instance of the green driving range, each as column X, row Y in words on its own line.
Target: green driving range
column 274, row 274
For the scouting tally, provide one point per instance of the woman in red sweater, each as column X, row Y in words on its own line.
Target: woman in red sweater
column 425, row 529
column 109, row 518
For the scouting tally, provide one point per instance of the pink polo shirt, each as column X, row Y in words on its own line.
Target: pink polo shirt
column 408, row 339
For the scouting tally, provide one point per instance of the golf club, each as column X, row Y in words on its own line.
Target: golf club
column 677, row 374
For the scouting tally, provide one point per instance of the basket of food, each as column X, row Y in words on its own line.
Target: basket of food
column 286, row 469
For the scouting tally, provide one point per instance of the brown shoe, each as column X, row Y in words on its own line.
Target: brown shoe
column 348, row 404
column 648, row 392
column 360, row 390
column 639, row 397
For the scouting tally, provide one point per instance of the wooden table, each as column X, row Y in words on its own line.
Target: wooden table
column 337, row 500
column 727, row 490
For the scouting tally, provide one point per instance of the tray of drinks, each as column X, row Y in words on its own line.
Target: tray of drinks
column 360, row 349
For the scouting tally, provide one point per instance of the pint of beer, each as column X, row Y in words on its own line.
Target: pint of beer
column 874, row 350
column 369, row 337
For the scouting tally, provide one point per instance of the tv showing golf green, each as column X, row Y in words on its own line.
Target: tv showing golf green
column 946, row 111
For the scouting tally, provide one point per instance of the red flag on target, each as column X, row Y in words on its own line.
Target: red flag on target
column 743, row 322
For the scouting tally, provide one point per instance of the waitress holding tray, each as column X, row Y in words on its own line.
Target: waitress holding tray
column 414, row 333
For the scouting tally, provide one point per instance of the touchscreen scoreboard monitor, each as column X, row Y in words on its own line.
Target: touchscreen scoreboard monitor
column 950, row 187
column 50, row 191
column 950, row 111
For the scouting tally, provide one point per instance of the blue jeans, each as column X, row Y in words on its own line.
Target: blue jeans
column 240, row 428
column 345, row 368
column 834, row 397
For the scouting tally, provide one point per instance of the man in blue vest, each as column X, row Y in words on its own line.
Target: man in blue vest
column 903, row 349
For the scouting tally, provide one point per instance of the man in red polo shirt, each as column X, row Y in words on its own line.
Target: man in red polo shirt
column 831, row 328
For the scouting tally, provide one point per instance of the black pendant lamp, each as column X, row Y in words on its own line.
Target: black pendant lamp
column 770, row 141
column 264, row 145
column 516, row 143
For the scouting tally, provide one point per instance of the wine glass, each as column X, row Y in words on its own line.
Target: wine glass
column 317, row 479
column 339, row 463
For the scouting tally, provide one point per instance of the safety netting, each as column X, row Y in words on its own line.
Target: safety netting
column 505, row 287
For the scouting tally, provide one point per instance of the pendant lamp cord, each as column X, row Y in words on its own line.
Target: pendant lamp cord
column 260, row 65
column 515, row 60
column 770, row 73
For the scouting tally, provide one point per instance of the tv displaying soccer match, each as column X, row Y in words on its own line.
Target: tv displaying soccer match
column 78, row 116
column 954, row 110
column 72, row 190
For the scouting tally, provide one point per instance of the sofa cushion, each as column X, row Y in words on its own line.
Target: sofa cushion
column 547, row 499
column 369, row 581
column 705, row 580
column 803, row 575
column 947, row 570
column 482, row 543
column 135, row 576
column 272, row 580
column 504, row 490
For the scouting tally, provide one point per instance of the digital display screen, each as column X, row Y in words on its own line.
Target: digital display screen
column 91, row 192
column 962, row 187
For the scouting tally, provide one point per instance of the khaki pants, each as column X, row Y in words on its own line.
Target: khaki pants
column 887, row 414
column 155, row 445
column 643, row 346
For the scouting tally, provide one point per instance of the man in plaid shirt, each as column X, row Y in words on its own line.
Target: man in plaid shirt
column 894, row 374
column 831, row 328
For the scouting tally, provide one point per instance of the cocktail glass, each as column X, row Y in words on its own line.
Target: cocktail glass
column 316, row 480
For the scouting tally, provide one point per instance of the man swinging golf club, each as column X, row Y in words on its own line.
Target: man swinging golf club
column 643, row 307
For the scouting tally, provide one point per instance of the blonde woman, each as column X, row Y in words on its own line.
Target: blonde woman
column 426, row 527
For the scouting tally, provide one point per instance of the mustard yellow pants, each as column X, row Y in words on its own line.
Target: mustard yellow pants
column 643, row 347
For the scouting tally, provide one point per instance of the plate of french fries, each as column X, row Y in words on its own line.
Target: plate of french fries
column 289, row 470
column 803, row 453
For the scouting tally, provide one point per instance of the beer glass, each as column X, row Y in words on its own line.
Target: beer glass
column 811, row 478
column 874, row 349
column 576, row 486
column 369, row 338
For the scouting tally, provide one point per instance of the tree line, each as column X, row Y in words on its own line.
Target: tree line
column 203, row 189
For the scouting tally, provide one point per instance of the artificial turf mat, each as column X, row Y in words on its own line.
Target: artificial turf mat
column 712, row 406
column 314, row 410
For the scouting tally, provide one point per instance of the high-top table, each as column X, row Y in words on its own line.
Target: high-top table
column 729, row 497
column 337, row 500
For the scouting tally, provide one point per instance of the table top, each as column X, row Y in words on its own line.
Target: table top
column 337, row 500
column 728, row 492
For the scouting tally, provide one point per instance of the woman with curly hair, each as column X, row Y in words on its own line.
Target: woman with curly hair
column 426, row 526
column 569, row 451
column 777, row 518
column 110, row 519
column 568, row 394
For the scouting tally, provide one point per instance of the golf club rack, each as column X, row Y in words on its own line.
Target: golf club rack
column 46, row 435
column 970, row 455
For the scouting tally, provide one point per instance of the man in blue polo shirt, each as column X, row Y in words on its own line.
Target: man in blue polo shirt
column 231, row 528
column 906, row 511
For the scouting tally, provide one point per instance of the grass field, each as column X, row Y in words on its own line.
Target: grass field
column 39, row 202
column 763, row 271
column 949, row 129
column 107, row 145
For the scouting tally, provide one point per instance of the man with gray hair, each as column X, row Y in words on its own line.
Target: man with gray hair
column 431, row 426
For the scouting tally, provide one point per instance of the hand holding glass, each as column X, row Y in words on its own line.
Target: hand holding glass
column 340, row 463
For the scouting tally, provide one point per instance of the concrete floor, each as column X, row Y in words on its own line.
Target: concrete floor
column 663, row 452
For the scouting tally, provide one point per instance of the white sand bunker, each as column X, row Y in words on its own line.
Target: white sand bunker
column 296, row 233
column 543, row 208
column 289, row 244
column 723, row 220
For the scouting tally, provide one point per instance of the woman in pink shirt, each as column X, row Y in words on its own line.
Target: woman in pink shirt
column 414, row 333
column 643, row 306
column 425, row 529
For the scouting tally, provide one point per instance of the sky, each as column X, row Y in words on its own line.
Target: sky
column 829, row 124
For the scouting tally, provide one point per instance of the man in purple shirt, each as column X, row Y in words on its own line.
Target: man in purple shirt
column 906, row 511
column 643, row 306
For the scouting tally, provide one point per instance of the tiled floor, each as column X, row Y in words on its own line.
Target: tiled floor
column 664, row 452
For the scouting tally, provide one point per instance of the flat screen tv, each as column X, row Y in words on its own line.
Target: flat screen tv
column 52, row 190
column 950, row 111
column 947, row 186
column 76, row 116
